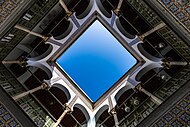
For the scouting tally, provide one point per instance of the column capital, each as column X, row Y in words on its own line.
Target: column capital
column 117, row 11
column 44, row 85
column 166, row 62
column 141, row 37
column 139, row 87
column 23, row 61
column 45, row 38
column 113, row 111
column 67, row 108
column 69, row 13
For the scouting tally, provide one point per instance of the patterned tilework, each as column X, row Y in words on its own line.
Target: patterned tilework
column 6, row 8
column 6, row 119
column 179, row 8
column 178, row 116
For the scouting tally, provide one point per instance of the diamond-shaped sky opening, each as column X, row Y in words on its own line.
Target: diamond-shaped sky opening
column 96, row 61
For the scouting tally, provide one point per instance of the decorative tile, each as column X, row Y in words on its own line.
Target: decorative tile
column 2, row 110
column 180, row 9
column 183, row 104
column 173, row 8
column 180, row 15
column 188, row 10
column 177, row 123
column 187, row 22
column 182, row 2
column 187, row 98
column 168, row 117
column 13, row 124
column 178, row 116
column 185, row 117
column 161, row 123
column 166, row 2
column 6, row 119
column 176, row 110
column 8, row 8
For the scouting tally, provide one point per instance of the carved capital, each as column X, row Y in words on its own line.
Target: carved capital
column 67, row 108
column 45, row 85
column 113, row 111
column 139, row 87
column 117, row 11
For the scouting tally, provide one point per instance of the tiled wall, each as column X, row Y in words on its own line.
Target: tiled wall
column 180, row 9
column 177, row 116
column 6, row 119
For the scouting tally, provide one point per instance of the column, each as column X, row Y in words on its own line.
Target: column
column 168, row 64
column 67, row 109
column 156, row 99
column 156, row 28
column 11, row 61
column 114, row 113
column 43, row 86
column 31, row 32
column 20, row 62
column 69, row 13
column 117, row 10
column 177, row 63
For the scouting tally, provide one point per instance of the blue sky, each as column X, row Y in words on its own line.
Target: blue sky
column 96, row 61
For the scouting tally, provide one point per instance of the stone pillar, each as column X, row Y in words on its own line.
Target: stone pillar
column 69, row 13
column 114, row 113
column 168, row 64
column 67, row 109
column 177, row 63
column 156, row 99
column 156, row 28
column 31, row 32
column 43, row 86
column 11, row 61
column 21, row 62
column 117, row 10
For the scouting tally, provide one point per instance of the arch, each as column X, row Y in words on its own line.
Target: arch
column 127, row 30
column 121, row 91
column 47, row 70
column 105, row 9
column 82, row 12
column 146, row 69
column 100, row 111
column 64, row 89
column 62, row 29
column 83, row 109
column 146, row 54
column 134, row 18
column 43, row 55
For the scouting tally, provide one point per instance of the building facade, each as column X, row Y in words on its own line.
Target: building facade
column 36, row 92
